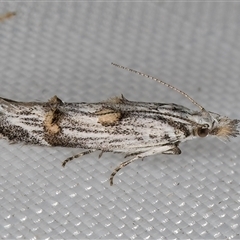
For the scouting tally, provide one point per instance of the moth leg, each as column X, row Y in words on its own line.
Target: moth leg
column 173, row 151
column 123, row 164
column 100, row 154
column 132, row 154
column 77, row 156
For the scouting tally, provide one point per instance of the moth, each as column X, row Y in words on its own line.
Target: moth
column 137, row 129
column 7, row 15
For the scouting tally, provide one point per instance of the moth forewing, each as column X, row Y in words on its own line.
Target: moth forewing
column 137, row 129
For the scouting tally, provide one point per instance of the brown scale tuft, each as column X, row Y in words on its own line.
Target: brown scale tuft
column 108, row 117
column 226, row 128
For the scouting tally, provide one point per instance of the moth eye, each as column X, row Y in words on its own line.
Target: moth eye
column 202, row 131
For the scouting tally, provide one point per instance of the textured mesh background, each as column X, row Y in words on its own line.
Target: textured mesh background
column 66, row 49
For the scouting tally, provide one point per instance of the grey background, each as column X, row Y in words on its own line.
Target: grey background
column 66, row 49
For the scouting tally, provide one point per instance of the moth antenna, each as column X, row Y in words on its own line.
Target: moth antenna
column 162, row 82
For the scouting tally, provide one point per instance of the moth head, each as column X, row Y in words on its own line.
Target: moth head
column 221, row 126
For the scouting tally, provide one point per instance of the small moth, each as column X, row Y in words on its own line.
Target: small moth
column 138, row 129
column 7, row 15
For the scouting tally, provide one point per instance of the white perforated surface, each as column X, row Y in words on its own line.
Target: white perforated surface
column 66, row 49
